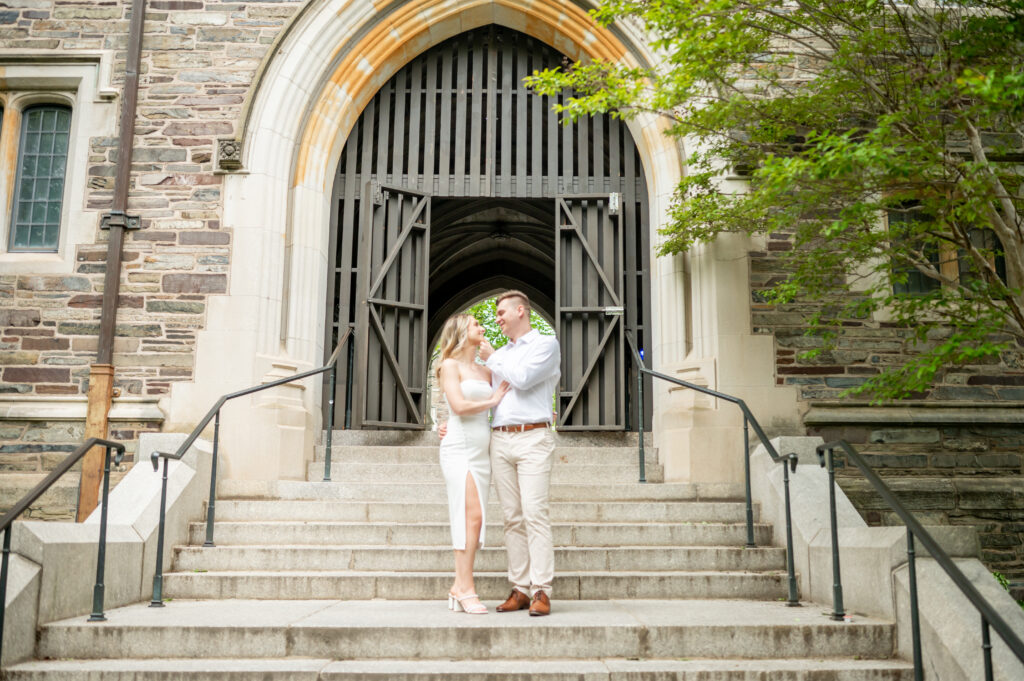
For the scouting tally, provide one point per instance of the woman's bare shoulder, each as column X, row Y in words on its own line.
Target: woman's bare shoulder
column 451, row 367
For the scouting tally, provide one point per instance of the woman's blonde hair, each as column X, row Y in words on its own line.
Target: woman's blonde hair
column 453, row 338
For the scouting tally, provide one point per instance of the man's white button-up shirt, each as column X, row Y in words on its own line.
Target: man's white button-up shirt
column 532, row 366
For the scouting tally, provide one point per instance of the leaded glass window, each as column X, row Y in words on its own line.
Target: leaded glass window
column 39, row 188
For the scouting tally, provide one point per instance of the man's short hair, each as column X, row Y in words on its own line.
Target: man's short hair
column 523, row 300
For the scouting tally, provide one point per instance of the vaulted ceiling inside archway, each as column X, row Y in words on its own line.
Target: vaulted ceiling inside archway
column 482, row 245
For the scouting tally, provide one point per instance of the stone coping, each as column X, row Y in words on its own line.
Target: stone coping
column 822, row 413
column 73, row 408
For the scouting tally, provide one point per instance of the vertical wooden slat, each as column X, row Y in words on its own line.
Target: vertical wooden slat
column 446, row 123
column 537, row 119
column 568, row 145
column 422, row 284
column 413, row 176
column 477, row 121
column 521, row 142
column 334, row 320
column 401, row 126
column 373, row 362
column 383, row 132
column 429, row 129
column 591, row 227
column 597, row 151
column 581, row 179
column 460, row 147
column 508, row 147
column 360, row 404
column 403, row 278
column 565, row 379
column 344, row 235
column 577, row 276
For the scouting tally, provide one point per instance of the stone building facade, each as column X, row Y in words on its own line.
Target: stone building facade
column 243, row 111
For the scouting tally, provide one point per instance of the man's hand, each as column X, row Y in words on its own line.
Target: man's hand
column 486, row 350
column 442, row 429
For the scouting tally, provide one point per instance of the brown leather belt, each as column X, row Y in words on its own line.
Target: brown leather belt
column 520, row 427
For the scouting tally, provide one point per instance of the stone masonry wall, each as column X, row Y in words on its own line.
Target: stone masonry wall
column 31, row 449
column 865, row 347
column 199, row 58
column 964, row 470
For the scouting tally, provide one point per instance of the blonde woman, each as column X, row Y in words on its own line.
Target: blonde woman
column 465, row 455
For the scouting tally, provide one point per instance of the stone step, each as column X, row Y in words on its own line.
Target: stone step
column 297, row 669
column 360, row 473
column 439, row 534
column 361, row 586
column 439, row 558
column 650, row 511
column 352, row 630
column 428, row 454
column 411, row 492
column 429, row 438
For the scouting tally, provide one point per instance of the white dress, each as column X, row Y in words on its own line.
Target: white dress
column 466, row 450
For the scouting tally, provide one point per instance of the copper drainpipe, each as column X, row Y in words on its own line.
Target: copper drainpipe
column 101, row 374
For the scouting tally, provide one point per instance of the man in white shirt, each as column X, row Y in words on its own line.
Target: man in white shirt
column 522, row 448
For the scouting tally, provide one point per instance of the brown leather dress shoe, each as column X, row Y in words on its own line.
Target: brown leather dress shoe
column 541, row 605
column 517, row 600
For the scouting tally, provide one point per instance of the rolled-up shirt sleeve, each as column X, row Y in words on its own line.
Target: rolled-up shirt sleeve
column 542, row 361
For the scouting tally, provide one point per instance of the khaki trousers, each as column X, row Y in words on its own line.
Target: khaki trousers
column 521, row 471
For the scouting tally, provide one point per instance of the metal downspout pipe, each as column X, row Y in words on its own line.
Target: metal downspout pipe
column 101, row 373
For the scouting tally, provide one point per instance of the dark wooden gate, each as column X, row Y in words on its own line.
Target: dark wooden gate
column 456, row 123
column 589, row 297
column 391, row 327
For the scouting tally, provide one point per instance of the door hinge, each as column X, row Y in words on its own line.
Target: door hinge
column 614, row 203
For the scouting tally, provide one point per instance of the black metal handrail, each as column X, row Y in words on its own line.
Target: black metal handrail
column 989, row 616
column 789, row 460
column 214, row 415
column 38, row 491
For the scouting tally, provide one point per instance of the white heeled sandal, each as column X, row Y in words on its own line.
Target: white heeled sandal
column 455, row 603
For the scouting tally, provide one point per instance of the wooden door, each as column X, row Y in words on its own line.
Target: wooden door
column 391, row 328
column 589, row 264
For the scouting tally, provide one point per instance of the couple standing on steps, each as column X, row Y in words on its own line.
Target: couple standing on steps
column 517, row 382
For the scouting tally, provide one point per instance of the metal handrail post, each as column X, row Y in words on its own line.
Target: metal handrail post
column 746, row 469
column 3, row 585
column 214, row 415
column 793, row 601
column 348, row 385
column 991, row 616
column 101, row 558
column 828, row 462
column 986, row 648
column 211, row 505
column 640, row 422
column 158, row 573
column 330, row 422
column 915, row 621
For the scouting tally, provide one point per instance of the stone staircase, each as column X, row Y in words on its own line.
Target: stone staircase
column 347, row 580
